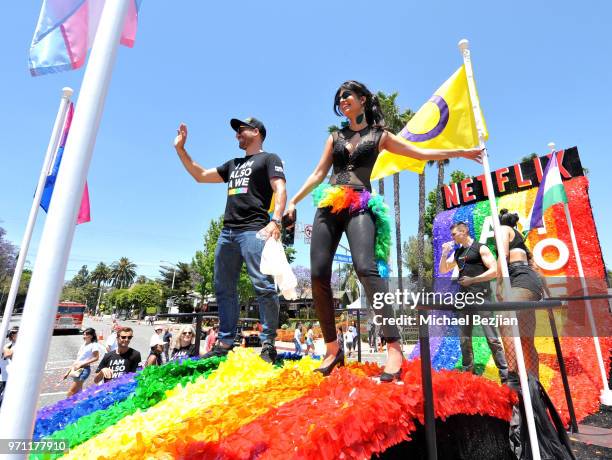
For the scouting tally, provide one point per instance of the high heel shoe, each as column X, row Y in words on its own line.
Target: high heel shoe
column 338, row 361
column 387, row 377
column 390, row 377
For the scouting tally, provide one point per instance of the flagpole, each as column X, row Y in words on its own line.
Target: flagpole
column 501, row 254
column 23, row 386
column 606, row 394
column 27, row 235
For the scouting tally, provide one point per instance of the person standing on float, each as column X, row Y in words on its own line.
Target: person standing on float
column 477, row 267
column 346, row 205
column 252, row 181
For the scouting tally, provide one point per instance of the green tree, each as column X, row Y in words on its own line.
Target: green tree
column 123, row 273
column 81, row 278
column 101, row 275
column 86, row 294
column 349, row 281
column 432, row 203
column 412, row 259
column 204, row 265
column 204, row 261
column 529, row 157
column 116, row 300
column 147, row 298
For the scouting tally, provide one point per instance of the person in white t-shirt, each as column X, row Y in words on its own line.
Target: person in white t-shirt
column 310, row 341
column 6, row 357
column 297, row 337
column 111, row 342
column 88, row 354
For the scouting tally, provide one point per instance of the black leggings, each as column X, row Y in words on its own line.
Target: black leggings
column 360, row 230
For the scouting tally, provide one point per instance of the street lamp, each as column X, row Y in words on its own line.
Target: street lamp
column 173, row 271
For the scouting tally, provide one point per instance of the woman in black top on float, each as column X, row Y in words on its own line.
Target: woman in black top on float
column 353, row 151
column 526, row 285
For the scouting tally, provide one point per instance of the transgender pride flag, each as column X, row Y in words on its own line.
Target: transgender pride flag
column 550, row 192
column 65, row 32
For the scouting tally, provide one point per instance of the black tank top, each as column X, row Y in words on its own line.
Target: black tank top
column 354, row 169
column 517, row 242
column 470, row 264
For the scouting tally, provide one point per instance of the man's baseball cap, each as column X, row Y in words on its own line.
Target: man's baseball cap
column 250, row 122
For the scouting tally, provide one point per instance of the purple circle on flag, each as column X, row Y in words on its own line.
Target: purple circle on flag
column 436, row 130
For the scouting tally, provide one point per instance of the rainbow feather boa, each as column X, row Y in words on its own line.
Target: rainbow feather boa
column 339, row 198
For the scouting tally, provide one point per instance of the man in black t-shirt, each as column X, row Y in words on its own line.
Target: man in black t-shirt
column 252, row 182
column 122, row 361
column 477, row 266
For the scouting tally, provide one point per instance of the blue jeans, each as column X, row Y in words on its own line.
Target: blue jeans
column 298, row 346
column 233, row 248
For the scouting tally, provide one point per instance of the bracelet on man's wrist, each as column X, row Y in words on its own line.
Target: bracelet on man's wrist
column 276, row 221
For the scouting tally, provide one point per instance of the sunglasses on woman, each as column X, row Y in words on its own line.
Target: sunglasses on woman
column 187, row 333
column 346, row 94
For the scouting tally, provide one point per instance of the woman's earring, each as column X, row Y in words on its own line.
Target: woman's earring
column 345, row 123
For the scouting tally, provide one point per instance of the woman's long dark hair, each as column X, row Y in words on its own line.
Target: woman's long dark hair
column 508, row 218
column 373, row 112
column 91, row 331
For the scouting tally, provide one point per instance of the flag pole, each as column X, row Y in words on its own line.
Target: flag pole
column 27, row 235
column 501, row 254
column 23, row 386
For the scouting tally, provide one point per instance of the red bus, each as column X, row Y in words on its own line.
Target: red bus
column 69, row 316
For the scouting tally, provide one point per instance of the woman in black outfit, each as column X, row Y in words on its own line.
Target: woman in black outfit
column 526, row 285
column 346, row 205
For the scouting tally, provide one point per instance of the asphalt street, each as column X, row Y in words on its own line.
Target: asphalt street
column 64, row 349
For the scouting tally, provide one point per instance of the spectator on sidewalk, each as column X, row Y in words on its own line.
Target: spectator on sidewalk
column 348, row 341
column 297, row 337
column 310, row 341
column 111, row 341
column 155, row 354
column 167, row 337
column 6, row 358
column 123, row 361
column 81, row 369
column 211, row 338
column 185, row 346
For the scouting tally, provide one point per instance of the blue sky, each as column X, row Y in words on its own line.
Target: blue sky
column 543, row 72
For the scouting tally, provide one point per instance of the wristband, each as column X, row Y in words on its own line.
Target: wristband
column 276, row 221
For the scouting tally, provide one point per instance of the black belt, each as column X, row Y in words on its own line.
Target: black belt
column 518, row 263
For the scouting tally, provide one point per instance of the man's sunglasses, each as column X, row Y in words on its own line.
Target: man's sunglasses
column 244, row 128
column 126, row 337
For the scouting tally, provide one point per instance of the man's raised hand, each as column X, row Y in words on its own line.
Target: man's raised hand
column 181, row 136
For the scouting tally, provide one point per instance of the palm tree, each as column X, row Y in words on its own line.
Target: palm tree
column 123, row 273
column 441, row 164
column 421, row 232
column 100, row 275
column 395, row 121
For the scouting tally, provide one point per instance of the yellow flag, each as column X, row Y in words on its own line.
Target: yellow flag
column 446, row 121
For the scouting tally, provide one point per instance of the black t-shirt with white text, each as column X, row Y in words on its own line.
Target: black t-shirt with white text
column 183, row 352
column 249, row 193
column 120, row 364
